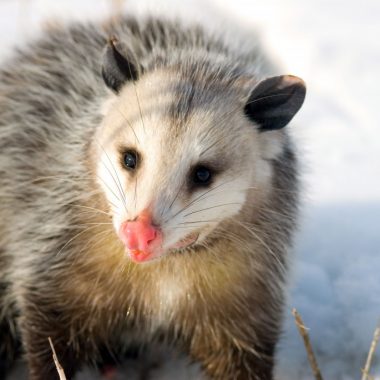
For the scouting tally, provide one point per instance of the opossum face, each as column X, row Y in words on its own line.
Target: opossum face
column 176, row 156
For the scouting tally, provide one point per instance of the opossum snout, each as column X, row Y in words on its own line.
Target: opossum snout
column 140, row 237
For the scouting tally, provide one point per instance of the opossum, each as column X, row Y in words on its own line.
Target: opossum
column 148, row 191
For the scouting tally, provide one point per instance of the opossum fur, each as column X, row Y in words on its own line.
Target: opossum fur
column 187, row 98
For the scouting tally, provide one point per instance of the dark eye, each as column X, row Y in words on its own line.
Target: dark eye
column 130, row 159
column 201, row 175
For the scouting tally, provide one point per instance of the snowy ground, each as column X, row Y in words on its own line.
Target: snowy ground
column 334, row 46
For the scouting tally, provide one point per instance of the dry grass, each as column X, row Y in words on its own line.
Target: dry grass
column 313, row 360
column 60, row 370
column 306, row 340
column 366, row 371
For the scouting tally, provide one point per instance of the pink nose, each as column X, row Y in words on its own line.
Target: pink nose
column 140, row 234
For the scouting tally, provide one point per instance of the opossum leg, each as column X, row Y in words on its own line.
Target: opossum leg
column 226, row 361
column 37, row 326
column 9, row 346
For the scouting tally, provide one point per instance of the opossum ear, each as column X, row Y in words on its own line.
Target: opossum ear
column 274, row 101
column 117, row 69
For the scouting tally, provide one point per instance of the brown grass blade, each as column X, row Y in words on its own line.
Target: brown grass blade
column 375, row 340
column 306, row 340
column 60, row 370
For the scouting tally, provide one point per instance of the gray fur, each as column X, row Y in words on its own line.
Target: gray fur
column 51, row 96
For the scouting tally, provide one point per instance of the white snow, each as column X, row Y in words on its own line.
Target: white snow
column 335, row 46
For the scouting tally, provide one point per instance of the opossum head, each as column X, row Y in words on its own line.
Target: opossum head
column 179, row 148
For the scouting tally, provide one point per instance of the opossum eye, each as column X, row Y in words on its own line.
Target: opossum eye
column 130, row 159
column 201, row 175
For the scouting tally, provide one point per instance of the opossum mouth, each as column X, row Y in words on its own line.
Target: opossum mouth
column 141, row 256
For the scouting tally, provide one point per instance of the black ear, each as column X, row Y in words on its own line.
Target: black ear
column 117, row 69
column 274, row 101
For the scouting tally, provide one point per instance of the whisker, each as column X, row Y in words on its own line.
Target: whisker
column 75, row 237
column 197, row 199
column 284, row 215
column 138, row 102
column 172, row 202
column 70, row 179
column 260, row 240
column 94, row 223
column 212, row 145
column 117, row 177
column 129, row 124
column 117, row 183
column 93, row 242
column 269, row 96
column 199, row 221
column 109, row 188
column 92, row 209
column 135, row 195
column 209, row 208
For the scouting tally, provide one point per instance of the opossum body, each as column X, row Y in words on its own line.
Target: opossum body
column 148, row 190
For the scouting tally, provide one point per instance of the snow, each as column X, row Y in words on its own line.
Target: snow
column 334, row 46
